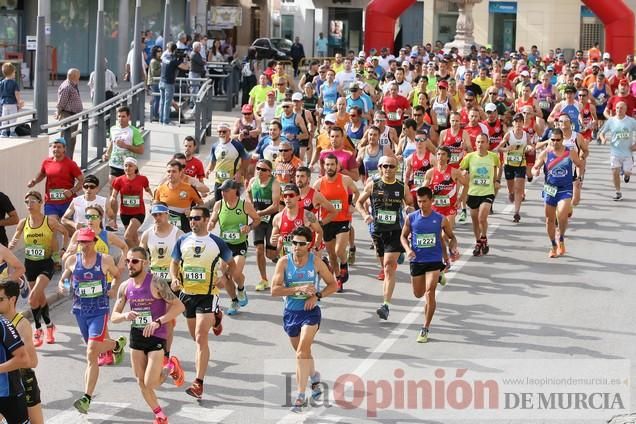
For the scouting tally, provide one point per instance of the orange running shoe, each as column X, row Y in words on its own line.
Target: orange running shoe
column 177, row 373
column 561, row 248
column 195, row 390
column 553, row 252
column 38, row 337
column 50, row 334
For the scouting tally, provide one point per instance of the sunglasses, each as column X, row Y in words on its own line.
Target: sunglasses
column 223, row 131
column 196, row 218
column 420, row 140
column 89, row 186
column 556, row 139
column 28, row 202
column 289, row 195
column 300, row 243
column 284, row 150
column 92, row 217
column 417, row 114
column 286, row 107
column 582, row 95
column 469, row 100
column 247, row 113
column 134, row 261
column 387, row 166
column 258, row 168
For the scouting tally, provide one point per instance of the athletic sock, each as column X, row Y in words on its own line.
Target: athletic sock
column 235, row 299
column 89, row 397
column 45, row 314
column 240, row 288
column 166, row 353
column 198, row 381
column 159, row 412
column 553, row 241
column 314, row 378
column 37, row 313
column 387, row 303
column 561, row 237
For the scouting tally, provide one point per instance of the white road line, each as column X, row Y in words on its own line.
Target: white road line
column 100, row 412
column 415, row 313
column 200, row 414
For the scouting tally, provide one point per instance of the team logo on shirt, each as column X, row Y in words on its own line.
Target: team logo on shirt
column 183, row 195
column 88, row 275
column 239, row 212
column 161, row 252
column 299, row 222
column 198, row 250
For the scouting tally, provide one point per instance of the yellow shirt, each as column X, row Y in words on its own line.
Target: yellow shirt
column 38, row 242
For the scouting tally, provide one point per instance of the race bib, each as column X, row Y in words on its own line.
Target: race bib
column 419, row 178
column 481, row 181
column 34, row 252
column 425, row 241
column 143, row 318
column 455, row 157
column 386, row 217
column 372, row 174
column 90, row 289
column 195, row 274
column 442, row 120
column 544, row 104
column 441, row 201
column 300, row 283
column 222, row 175
column 550, row 190
column 393, row 116
column 514, row 158
column 131, row 201
column 230, row 235
column 329, row 105
column 337, row 204
column 57, row 194
column 175, row 220
column 160, row 272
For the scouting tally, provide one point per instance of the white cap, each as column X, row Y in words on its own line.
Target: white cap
column 130, row 160
column 331, row 118
column 578, row 76
column 606, row 55
column 525, row 74
column 490, row 107
column 223, row 125
column 297, row 96
column 362, row 54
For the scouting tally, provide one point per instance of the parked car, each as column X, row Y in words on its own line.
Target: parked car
column 272, row 48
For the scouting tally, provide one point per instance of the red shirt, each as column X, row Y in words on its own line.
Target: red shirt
column 391, row 105
column 629, row 100
column 194, row 168
column 60, row 176
column 131, row 193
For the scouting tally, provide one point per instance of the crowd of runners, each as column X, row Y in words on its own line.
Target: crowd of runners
column 409, row 145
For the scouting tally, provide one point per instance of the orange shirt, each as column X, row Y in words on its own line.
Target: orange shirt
column 324, row 143
column 178, row 199
column 337, row 194
column 285, row 172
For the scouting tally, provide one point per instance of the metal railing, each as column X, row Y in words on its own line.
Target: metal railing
column 203, row 112
column 95, row 118
column 31, row 113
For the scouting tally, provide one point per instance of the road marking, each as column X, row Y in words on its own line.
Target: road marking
column 400, row 329
column 101, row 412
column 199, row 413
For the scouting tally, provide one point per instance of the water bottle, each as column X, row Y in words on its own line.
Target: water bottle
column 67, row 286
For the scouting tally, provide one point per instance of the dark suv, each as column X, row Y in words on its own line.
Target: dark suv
column 272, row 48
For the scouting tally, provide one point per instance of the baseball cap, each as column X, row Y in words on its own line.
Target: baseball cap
column 578, row 76
column 331, row 118
column 606, row 55
column 130, row 160
column 247, row 108
column 375, row 58
column 158, row 208
column 354, row 86
column 91, row 179
column 413, row 54
column 362, row 54
column 525, row 74
column 57, row 140
column 297, row 97
column 490, row 107
column 86, row 234
column 620, row 67
column 442, row 84
column 291, row 187
column 595, row 65
column 517, row 117
column 550, row 68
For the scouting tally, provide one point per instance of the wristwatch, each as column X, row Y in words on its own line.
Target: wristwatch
column 318, row 296
column 158, row 321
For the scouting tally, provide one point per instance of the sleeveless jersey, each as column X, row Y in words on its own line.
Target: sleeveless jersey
column 463, row 117
column 299, row 276
column 559, row 170
column 441, row 111
column 385, row 140
column 310, row 103
column 545, row 97
column 444, row 192
column 473, row 132
column 337, row 194
column 329, row 95
column 419, row 167
column 516, row 156
column 571, row 142
column 409, row 149
column 520, row 103
column 90, row 289
column 288, row 225
column 355, row 136
column 371, row 162
column 600, row 97
column 248, row 142
column 230, row 222
column 586, row 119
column 307, row 202
column 262, row 197
column 386, row 205
column 455, row 144
column 268, row 113
column 38, row 241
column 495, row 133
column 573, row 112
column 148, row 307
column 426, row 232
column 160, row 249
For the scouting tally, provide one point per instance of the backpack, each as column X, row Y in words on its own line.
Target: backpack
column 246, row 71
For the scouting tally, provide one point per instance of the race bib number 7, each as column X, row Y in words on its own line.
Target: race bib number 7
column 90, row 289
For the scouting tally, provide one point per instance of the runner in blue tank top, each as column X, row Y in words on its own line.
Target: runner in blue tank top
column 296, row 277
column 426, row 250
column 558, row 165
column 91, row 294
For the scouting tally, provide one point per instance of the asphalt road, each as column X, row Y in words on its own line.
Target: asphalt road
column 513, row 311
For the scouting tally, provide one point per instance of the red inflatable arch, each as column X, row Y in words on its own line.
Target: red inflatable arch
column 617, row 17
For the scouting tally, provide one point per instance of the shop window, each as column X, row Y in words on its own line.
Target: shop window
column 287, row 26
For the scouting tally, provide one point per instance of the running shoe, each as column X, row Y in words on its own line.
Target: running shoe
column 619, row 196
column 553, row 252
column 50, row 334
column 351, row 259
column 299, row 404
column 242, row 297
column 400, row 259
column 422, row 337
column 177, row 373
column 477, row 249
column 160, row 420
column 234, row 308
column 381, row 275
column 263, row 285
column 626, row 178
column 340, row 285
column 217, row 329
column 82, row 404
column 442, row 278
column 484, row 247
column 383, row 311
column 195, row 390
column 24, row 288
column 462, row 216
column 316, row 386
column 109, row 358
column 38, row 335
column 516, row 218
column 561, row 248
column 344, row 273
column 118, row 352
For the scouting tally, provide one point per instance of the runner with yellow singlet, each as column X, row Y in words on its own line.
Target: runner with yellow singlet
column 228, row 160
column 159, row 240
column 94, row 216
column 196, row 259
column 39, row 241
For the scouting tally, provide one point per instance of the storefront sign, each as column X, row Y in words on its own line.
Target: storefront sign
column 226, row 16
column 502, row 7
column 31, row 42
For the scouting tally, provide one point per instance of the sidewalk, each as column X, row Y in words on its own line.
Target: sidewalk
column 163, row 142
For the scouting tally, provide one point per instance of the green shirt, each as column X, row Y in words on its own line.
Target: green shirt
column 131, row 136
column 482, row 172
column 259, row 93
column 262, row 196
column 231, row 221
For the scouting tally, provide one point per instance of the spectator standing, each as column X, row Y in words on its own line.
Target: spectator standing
column 248, row 74
column 69, row 103
column 197, row 69
column 297, row 54
column 10, row 97
column 154, row 71
column 169, row 65
column 110, row 82
column 321, row 45
column 8, row 216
